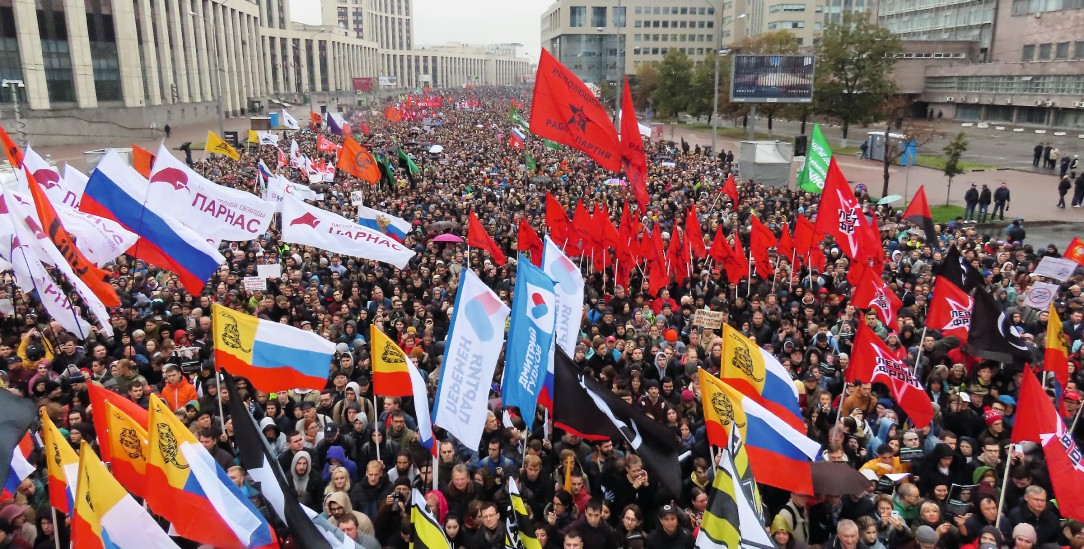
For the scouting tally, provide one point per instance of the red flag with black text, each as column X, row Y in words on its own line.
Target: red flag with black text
column 873, row 293
column 873, row 362
column 632, row 150
column 564, row 110
column 479, row 238
column 840, row 216
column 950, row 310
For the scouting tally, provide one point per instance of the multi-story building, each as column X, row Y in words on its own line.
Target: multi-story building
column 940, row 20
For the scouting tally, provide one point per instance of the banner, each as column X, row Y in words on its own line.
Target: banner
column 530, row 338
column 60, row 190
column 815, row 171
column 312, row 226
column 568, row 286
column 470, row 357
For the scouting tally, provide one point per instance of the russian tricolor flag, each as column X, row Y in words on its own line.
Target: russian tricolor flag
column 115, row 191
column 395, row 227
column 516, row 139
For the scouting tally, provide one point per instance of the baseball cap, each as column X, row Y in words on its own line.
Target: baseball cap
column 667, row 510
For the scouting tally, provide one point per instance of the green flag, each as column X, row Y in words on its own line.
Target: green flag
column 529, row 160
column 551, row 144
column 811, row 178
column 408, row 163
column 515, row 117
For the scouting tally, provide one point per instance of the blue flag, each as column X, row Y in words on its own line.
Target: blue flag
column 530, row 338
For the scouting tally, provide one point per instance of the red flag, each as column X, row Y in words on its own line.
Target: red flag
column 13, row 152
column 528, row 241
column 324, row 144
column 479, row 238
column 739, row 259
column 580, row 235
column 873, row 362
column 365, row 129
column 918, row 212
column 873, row 293
column 950, row 309
column 785, row 247
column 632, row 151
column 142, row 160
column 600, row 253
column 94, row 277
column 806, row 238
column 557, row 221
column 315, row 119
column 565, row 111
column 1075, row 251
column 282, row 160
column 358, row 162
column 693, row 234
column 676, row 262
column 840, row 215
column 760, row 239
column 1042, row 424
column 731, row 189
column 393, row 114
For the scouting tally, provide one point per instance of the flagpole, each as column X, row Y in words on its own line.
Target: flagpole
column 775, row 274
column 1075, row 419
column 790, row 279
column 1004, row 483
column 749, row 261
column 376, row 426
column 918, row 357
column 435, row 464
column 56, row 528
column 221, row 412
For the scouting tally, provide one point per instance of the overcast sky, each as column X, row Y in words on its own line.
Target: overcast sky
column 467, row 21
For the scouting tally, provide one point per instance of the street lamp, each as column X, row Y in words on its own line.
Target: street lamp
column 715, row 102
column 13, row 85
column 218, row 74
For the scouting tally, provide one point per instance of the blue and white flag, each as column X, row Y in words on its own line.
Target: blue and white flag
column 569, row 289
column 395, row 227
column 530, row 338
column 289, row 121
column 470, row 357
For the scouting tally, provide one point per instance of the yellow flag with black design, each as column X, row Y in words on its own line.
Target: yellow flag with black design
column 254, row 137
column 215, row 145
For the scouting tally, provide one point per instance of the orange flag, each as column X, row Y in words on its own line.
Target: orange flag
column 142, row 160
column 1075, row 251
column 95, row 278
column 15, row 154
column 358, row 162
column 479, row 238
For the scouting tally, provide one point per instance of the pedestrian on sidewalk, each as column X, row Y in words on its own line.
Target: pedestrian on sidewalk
column 1078, row 191
column 1038, row 154
column 984, row 203
column 1001, row 201
column 168, row 130
column 1046, row 155
column 1065, row 161
column 864, row 148
column 1063, row 188
column 971, row 199
column 1054, row 154
column 1073, row 166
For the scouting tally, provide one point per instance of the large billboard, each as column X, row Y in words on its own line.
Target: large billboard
column 363, row 84
column 772, row 79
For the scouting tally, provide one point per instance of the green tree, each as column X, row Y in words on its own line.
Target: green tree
column 607, row 93
column 646, row 81
column 671, row 96
column 953, row 152
column 701, row 88
column 854, row 58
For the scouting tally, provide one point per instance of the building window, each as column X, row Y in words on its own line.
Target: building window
column 1078, row 49
column 1029, row 52
column 639, row 10
column 598, row 16
column 1044, row 51
column 10, row 65
column 577, row 16
column 619, row 17
column 786, row 8
column 55, row 53
column 1061, row 51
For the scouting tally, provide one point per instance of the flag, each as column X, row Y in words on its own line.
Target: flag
column 387, row 172
column 289, row 121
column 1075, row 251
column 693, row 234
column 96, row 279
column 564, row 110
column 428, row 532
column 16, row 419
column 471, row 350
column 127, row 443
column 758, row 375
column 585, row 407
column 258, row 459
column 761, row 239
column 873, row 362
column 991, row 335
column 335, row 123
column 394, row 374
column 918, row 212
column 358, row 162
column 957, row 270
column 806, row 238
column 557, row 222
column 215, row 145
column 407, row 163
column 840, row 215
column 186, row 487
column 19, row 468
column 950, row 310
column 814, row 174
column 733, row 517
column 278, row 187
column 105, row 516
column 530, row 338
column 530, row 162
column 873, row 293
column 519, row 519
column 516, row 138
column 580, row 233
column 142, row 160
column 272, row 355
column 253, row 138
column 315, row 119
column 1056, row 355
column 730, row 189
column 393, row 114
column 739, row 258
column 62, row 463
column 311, row 226
column 1042, row 424
column 516, row 119
column 324, row 144
column 780, row 453
column 479, row 238
column 98, row 399
column 215, row 211
column 66, row 190
column 633, row 161
column 13, row 152
column 281, row 161
column 550, row 144
column 785, row 247
column 735, row 265
column 115, row 191
column 568, row 306
column 527, row 240
column 395, row 227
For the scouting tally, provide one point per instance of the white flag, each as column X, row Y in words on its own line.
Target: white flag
column 312, row 226
column 289, row 121
column 267, row 138
column 278, row 187
column 211, row 209
column 569, row 292
column 296, row 158
column 56, row 187
column 101, row 240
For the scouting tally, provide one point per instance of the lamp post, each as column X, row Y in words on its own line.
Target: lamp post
column 715, row 101
column 13, row 85
column 218, row 74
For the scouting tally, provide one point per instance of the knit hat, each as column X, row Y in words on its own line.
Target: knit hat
column 687, row 395
column 1026, row 531
column 991, row 416
column 670, row 335
column 924, row 534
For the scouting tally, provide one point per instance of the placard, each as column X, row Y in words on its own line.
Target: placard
column 254, row 284
column 907, row 455
column 961, row 499
column 1058, row 268
column 357, row 198
column 273, row 270
column 708, row 319
column 1040, row 295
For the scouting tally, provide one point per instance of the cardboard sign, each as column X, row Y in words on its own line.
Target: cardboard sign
column 254, row 284
column 1058, row 268
column 357, row 198
column 708, row 319
column 273, row 270
column 1040, row 295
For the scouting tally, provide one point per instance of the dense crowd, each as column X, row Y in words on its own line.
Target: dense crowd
column 356, row 458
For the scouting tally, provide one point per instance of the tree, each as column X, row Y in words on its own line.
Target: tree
column 782, row 42
column 675, row 73
column 647, row 80
column 607, row 93
column 953, row 152
column 701, row 88
column 854, row 58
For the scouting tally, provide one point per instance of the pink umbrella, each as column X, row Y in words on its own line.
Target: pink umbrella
column 447, row 237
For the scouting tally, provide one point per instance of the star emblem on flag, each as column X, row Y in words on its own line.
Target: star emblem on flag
column 579, row 117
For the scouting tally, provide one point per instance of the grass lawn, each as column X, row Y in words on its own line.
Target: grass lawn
column 938, row 163
column 942, row 214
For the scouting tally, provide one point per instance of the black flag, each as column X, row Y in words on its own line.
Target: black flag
column 17, row 417
column 991, row 336
column 958, row 271
column 586, row 407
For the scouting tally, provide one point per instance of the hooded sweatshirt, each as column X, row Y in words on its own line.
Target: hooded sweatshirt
column 337, row 453
column 341, row 498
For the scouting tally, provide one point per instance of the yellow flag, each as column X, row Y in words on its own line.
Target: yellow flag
column 215, row 145
column 63, row 464
column 253, row 137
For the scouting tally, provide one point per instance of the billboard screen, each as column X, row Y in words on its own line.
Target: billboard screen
column 772, row 79
column 363, row 84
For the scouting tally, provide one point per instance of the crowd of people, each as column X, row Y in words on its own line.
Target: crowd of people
column 355, row 457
